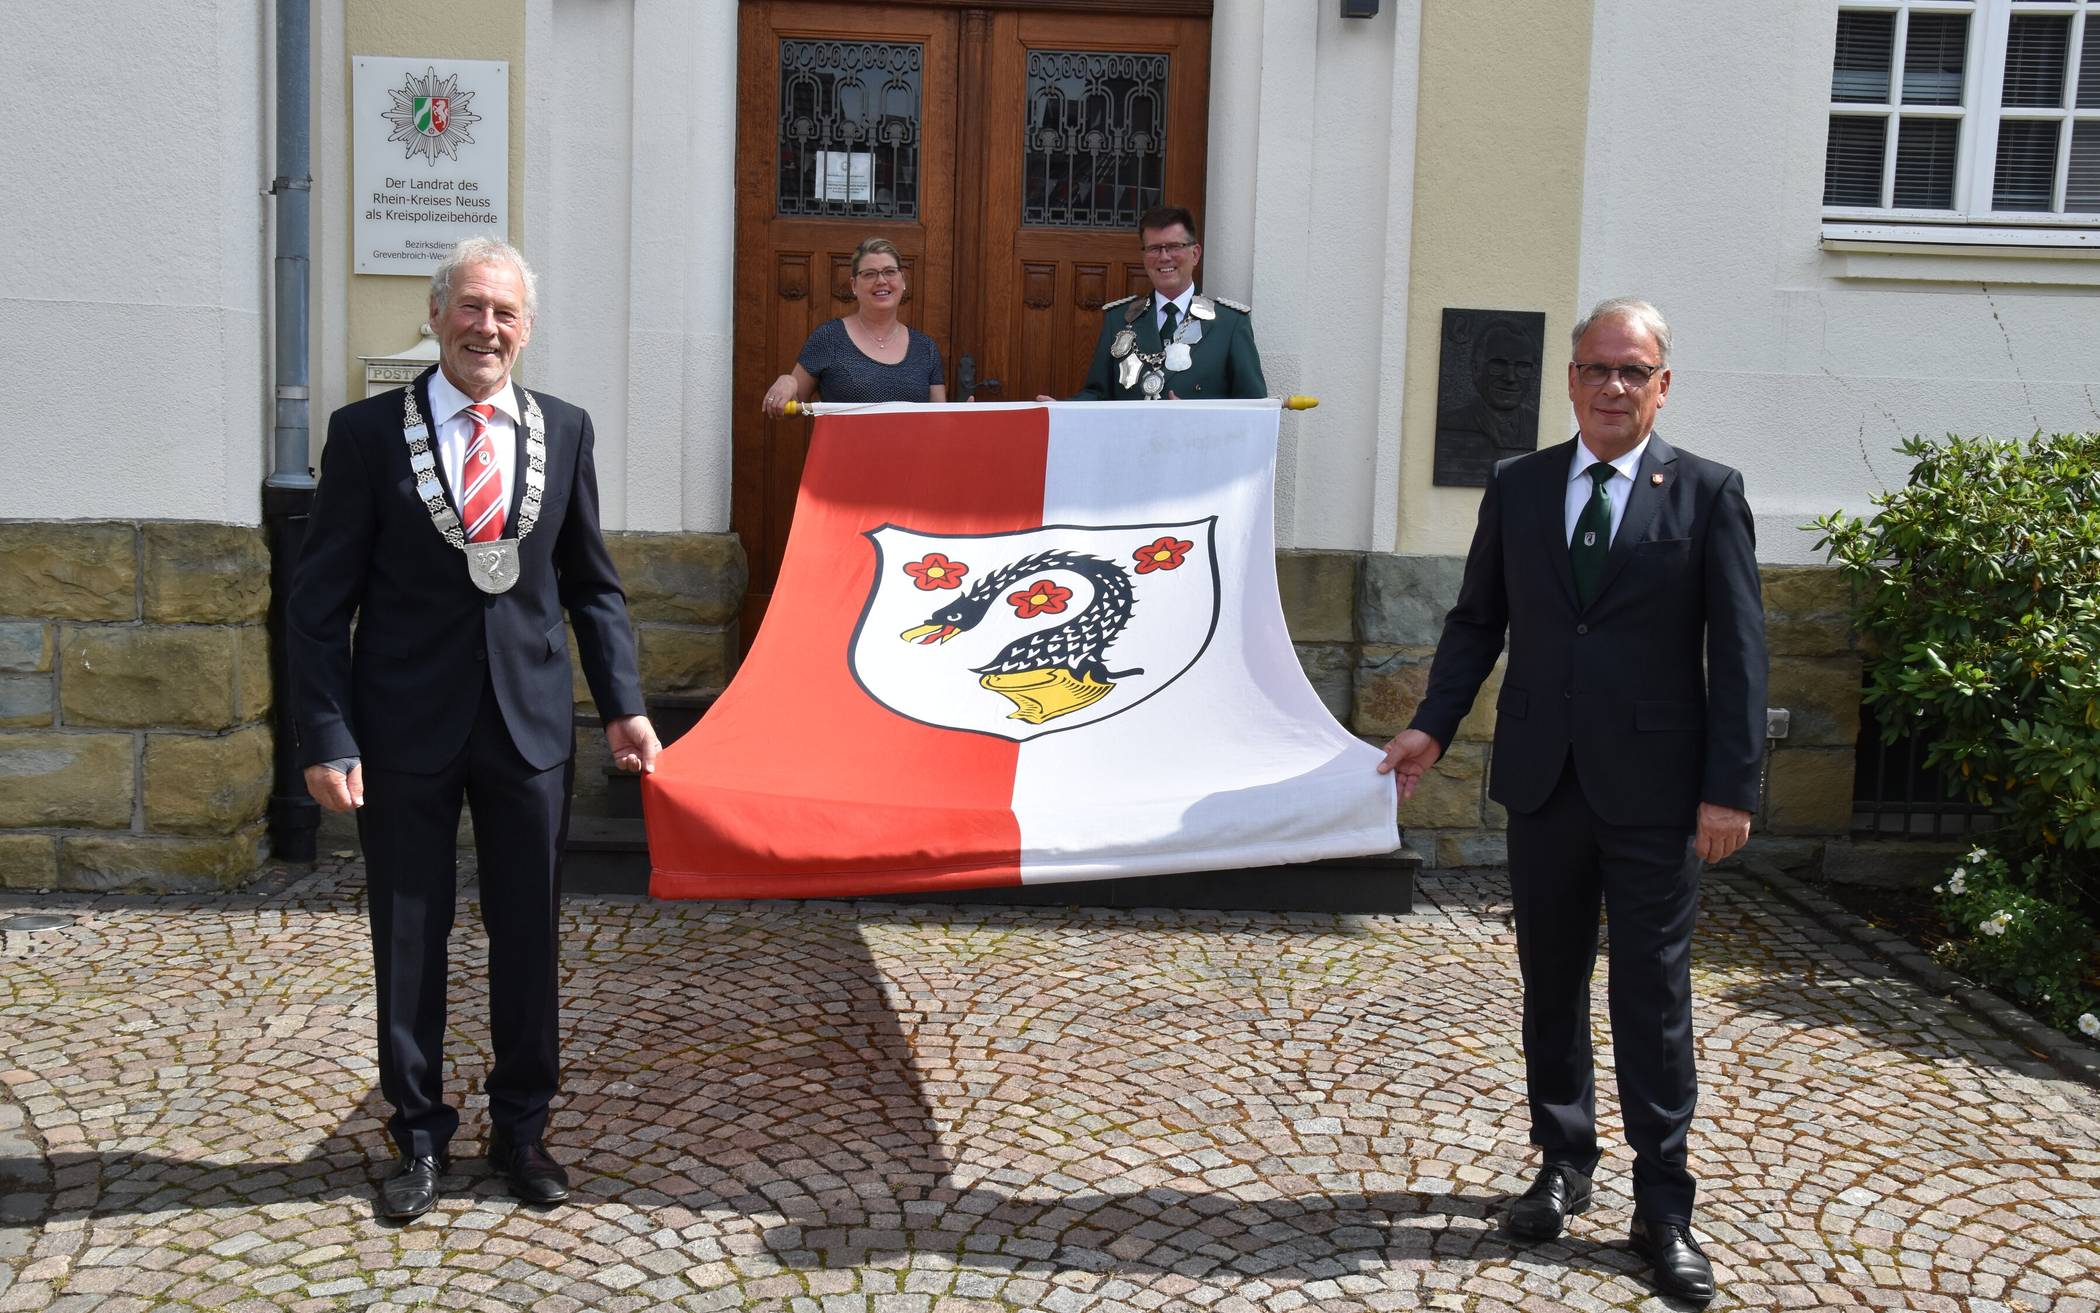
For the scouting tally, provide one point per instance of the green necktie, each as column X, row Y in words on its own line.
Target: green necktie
column 1168, row 313
column 1592, row 540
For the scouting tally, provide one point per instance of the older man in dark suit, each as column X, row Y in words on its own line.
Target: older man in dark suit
column 456, row 522
column 1628, row 740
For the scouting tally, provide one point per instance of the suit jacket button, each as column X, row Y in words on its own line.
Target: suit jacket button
column 1582, row 629
column 480, row 654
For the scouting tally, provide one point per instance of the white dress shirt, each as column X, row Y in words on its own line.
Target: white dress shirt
column 1180, row 304
column 1581, row 487
column 454, row 429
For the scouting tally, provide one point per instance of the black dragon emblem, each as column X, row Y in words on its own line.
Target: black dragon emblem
column 1050, row 672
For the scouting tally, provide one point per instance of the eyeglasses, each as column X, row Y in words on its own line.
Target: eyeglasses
column 1166, row 248
column 890, row 275
column 1635, row 377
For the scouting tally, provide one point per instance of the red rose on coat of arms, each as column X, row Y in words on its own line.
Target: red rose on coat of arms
column 1039, row 598
column 934, row 570
column 1162, row 554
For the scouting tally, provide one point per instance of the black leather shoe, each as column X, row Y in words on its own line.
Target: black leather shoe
column 534, row 1176
column 1680, row 1267
column 1541, row 1212
column 412, row 1189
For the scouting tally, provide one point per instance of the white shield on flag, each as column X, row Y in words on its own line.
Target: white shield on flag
column 1024, row 634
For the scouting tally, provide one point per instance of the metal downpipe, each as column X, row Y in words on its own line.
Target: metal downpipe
column 289, row 489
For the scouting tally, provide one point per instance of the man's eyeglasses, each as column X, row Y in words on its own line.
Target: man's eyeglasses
column 1166, row 248
column 879, row 275
column 1635, row 377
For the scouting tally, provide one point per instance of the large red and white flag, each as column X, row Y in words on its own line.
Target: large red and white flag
column 1013, row 644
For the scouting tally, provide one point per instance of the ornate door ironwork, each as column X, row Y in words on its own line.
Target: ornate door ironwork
column 1096, row 138
column 849, row 129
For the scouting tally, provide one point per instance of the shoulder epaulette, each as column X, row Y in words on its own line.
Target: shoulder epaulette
column 1121, row 300
column 1228, row 302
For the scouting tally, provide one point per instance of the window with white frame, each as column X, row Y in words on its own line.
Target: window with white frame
column 1965, row 111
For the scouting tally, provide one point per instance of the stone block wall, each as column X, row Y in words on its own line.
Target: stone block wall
column 683, row 591
column 135, row 749
column 1366, row 626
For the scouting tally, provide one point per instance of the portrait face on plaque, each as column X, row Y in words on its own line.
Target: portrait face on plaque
column 1487, row 403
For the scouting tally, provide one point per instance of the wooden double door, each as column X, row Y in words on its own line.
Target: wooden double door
column 1006, row 150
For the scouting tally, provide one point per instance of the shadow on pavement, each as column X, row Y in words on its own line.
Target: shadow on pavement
column 761, row 1069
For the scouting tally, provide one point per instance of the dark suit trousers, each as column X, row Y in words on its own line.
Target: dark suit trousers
column 409, row 826
column 1563, row 861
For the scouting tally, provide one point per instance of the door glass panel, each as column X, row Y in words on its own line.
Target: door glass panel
column 1096, row 138
column 849, row 128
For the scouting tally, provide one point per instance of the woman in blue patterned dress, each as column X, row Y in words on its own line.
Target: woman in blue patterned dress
column 867, row 355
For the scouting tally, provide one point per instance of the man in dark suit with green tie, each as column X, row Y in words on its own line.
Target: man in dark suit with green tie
column 1628, row 740
column 1175, row 344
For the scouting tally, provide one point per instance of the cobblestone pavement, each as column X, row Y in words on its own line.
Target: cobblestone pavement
column 826, row 1107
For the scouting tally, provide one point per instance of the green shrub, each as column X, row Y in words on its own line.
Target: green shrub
column 2035, row 949
column 1976, row 590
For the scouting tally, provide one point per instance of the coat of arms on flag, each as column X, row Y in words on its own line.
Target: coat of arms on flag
column 1014, row 644
column 1021, row 634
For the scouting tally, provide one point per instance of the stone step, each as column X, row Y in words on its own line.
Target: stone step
column 610, row 855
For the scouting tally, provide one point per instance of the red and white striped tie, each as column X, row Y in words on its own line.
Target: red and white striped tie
column 481, row 504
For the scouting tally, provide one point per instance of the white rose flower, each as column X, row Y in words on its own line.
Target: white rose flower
column 2090, row 1024
column 1959, row 871
column 1959, row 884
column 1995, row 925
column 1978, row 854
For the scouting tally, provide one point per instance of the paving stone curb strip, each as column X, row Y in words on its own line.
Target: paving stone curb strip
column 864, row 1108
column 2075, row 1058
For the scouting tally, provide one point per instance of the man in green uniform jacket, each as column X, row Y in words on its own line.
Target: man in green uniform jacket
column 1175, row 344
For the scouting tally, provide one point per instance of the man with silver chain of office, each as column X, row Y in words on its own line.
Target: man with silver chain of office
column 456, row 524
column 1176, row 344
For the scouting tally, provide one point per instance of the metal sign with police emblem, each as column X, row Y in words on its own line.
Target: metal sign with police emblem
column 429, row 159
column 1038, row 631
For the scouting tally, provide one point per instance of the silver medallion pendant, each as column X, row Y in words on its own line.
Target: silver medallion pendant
column 493, row 565
column 1127, row 372
column 1125, row 342
column 1177, row 355
column 1154, row 383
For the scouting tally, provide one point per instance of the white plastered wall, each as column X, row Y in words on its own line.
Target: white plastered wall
column 1308, row 215
column 1801, row 367
column 637, row 198
column 133, row 260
